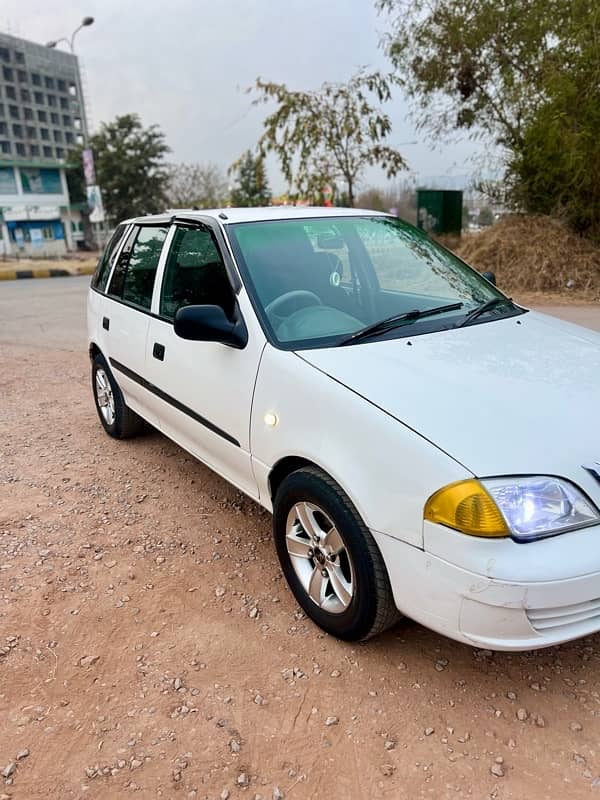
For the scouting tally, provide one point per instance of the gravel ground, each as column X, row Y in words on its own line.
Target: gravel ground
column 150, row 648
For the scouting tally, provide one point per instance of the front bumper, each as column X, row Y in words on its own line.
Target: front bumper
column 489, row 612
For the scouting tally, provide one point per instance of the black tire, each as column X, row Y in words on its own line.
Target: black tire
column 371, row 609
column 126, row 423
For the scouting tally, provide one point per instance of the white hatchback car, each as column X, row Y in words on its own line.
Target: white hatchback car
column 427, row 446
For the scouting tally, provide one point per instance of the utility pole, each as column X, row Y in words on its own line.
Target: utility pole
column 87, row 155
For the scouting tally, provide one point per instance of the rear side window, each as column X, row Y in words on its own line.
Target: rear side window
column 107, row 258
column 195, row 274
column 133, row 278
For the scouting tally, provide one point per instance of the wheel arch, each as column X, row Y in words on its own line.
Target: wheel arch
column 288, row 464
column 94, row 351
column 284, row 467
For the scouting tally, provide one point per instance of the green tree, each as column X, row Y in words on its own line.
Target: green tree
column 480, row 66
column 251, row 184
column 373, row 199
column 201, row 185
column 486, row 217
column 77, row 192
column 397, row 198
column 329, row 135
column 130, row 167
column 556, row 168
column 75, row 178
column 527, row 74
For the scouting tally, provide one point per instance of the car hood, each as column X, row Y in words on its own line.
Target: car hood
column 513, row 396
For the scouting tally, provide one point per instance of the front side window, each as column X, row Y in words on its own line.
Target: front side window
column 195, row 274
column 133, row 276
column 107, row 258
column 315, row 282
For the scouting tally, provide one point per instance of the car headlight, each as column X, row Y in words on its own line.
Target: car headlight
column 525, row 508
column 540, row 506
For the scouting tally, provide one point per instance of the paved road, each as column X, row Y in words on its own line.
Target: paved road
column 51, row 312
column 44, row 312
column 588, row 315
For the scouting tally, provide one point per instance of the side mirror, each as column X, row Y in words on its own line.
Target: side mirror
column 489, row 276
column 210, row 324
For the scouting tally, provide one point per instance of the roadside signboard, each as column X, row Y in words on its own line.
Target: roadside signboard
column 94, row 201
column 89, row 171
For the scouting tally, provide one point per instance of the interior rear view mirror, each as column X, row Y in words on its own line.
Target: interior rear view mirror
column 330, row 241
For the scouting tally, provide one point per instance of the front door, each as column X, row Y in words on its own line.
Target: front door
column 203, row 390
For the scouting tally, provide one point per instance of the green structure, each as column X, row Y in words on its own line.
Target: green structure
column 439, row 210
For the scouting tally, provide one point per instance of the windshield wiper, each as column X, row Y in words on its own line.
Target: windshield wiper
column 477, row 312
column 391, row 322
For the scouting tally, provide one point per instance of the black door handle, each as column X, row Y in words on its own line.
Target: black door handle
column 158, row 351
column 105, row 323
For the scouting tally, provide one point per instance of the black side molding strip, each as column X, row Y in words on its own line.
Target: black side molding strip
column 172, row 401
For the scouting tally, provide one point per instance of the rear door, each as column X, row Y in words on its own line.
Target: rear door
column 127, row 313
column 203, row 390
column 96, row 306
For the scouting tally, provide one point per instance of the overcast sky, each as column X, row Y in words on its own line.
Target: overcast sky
column 184, row 65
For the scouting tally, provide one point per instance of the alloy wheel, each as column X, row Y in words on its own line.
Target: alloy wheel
column 105, row 397
column 319, row 557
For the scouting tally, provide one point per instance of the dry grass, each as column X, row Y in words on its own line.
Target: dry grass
column 535, row 254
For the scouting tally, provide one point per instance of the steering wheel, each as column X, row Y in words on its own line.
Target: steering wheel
column 305, row 297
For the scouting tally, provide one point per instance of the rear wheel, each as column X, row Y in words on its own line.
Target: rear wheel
column 329, row 558
column 117, row 419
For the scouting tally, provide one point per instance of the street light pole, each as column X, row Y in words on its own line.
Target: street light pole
column 85, row 23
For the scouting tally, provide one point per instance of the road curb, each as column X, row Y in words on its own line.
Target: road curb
column 38, row 272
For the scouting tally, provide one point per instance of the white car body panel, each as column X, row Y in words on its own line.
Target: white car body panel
column 487, row 612
column 392, row 422
column 386, row 469
column 564, row 556
column 492, row 395
column 125, row 341
column 217, row 383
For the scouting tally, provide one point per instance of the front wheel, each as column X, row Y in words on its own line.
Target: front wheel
column 329, row 558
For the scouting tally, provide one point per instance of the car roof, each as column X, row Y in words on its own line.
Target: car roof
column 227, row 216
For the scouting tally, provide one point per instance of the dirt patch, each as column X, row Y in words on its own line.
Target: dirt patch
column 150, row 648
column 535, row 254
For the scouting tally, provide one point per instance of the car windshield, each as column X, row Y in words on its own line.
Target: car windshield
column 315, row 282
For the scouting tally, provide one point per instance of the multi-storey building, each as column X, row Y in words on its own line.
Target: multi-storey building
column 42, row 117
